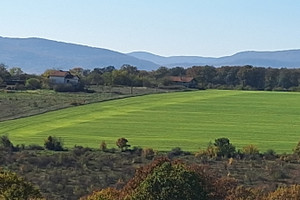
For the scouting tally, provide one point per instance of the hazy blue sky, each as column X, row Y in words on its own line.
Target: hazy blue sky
column 165, row 27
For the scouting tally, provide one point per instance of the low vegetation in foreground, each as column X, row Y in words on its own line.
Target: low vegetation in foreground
column 219, row 172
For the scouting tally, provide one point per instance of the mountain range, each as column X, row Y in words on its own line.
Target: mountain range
column 275, row 59
column 35, row 55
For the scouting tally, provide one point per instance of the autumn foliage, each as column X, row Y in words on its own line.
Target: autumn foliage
column 14, row 187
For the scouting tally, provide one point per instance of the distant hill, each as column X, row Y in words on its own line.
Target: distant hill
column 35, row 55
column 276, row 59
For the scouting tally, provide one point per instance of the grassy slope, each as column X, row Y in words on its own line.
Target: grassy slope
column 163, row 121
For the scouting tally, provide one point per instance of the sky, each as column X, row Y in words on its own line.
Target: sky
column 210, row 28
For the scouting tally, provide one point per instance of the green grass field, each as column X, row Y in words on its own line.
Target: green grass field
column 270, row 120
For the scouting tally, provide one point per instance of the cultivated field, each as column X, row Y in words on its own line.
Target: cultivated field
column 270, row 120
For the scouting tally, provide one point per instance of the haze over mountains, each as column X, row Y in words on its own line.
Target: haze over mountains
column 35, row 55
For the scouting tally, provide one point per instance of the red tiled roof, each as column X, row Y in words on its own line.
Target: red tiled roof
column 59, row 73
column 182, row 79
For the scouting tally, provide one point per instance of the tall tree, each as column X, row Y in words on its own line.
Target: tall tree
column 271, row 78
column 15, row 71
column 4, row 74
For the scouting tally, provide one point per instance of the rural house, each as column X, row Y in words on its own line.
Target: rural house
column 184, row 81
column 63, row 77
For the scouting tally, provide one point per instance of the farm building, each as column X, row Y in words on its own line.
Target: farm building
column 184, row 81
column 63, row 77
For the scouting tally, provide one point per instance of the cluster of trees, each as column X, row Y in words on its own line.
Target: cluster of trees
column 25, row 81
column 246, row 77
column 226, row 77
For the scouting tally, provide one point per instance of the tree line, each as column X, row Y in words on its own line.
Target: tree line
column 226, row 77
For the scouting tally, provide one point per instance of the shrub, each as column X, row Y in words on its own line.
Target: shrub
column 211, row 151
column 33, row 84
column 103, row 146
column 287, row 193
column 34, row 147
column 64, row 88
column 80, row 150
column 251, row 151
column 225, row 148
column 175, row 152
column 6, row 143
column 245, row 193
column 54, row 144
column 270, row 154
column 136, row 151
column 148, row 153
column 122, row 144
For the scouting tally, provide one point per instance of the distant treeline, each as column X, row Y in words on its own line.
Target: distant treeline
column 226, row 77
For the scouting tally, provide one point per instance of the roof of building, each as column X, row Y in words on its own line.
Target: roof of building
column 182, row 79
column 59, row 73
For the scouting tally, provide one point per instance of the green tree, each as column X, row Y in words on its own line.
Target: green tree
column 177, row 71
column 13, row 187
column 5, row 142
column 171, row 182
column 122, row 143
column 15, row 71
column 271, row 78
column 33, row 84
column 225, row 148
column 204, row 74
column 95, row 79
column 107, row 78
column 285, row 78
column 4, row 74
column 160, row 74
